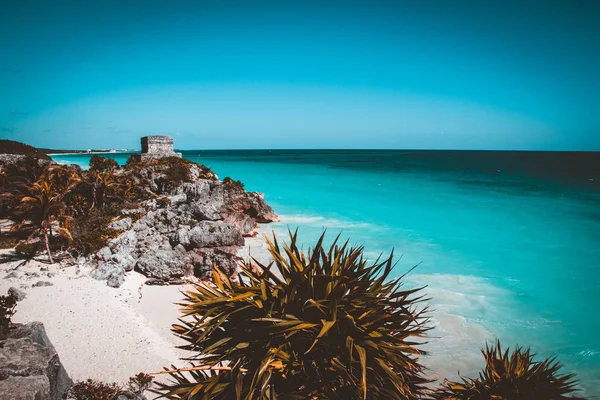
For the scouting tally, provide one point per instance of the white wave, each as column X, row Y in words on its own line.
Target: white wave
column 587, row 353
column 320, row 221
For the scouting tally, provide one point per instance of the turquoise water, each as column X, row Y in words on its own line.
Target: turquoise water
column 508, row 242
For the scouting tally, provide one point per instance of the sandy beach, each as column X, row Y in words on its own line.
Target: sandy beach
column 101, row 332
column 98, row 331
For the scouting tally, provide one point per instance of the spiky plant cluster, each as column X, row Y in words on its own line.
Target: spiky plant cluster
column 236, row 184
column 325, row 324
column 512, row 376
column 92, row 390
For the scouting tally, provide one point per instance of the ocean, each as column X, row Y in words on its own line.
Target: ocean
column 508, row 243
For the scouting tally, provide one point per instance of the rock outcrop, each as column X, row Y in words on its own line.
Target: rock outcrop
column 17, row 294
column 30, row 368
column 190, row 226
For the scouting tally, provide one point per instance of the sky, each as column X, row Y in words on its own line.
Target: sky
column 219, row 74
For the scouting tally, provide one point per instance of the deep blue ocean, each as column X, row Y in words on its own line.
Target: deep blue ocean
column 508, row 242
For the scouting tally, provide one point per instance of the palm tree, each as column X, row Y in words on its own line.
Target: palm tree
column 100, row 183
column 41, row 204
column 38, row 211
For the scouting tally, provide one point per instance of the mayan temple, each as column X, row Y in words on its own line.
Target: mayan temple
column 157, row 147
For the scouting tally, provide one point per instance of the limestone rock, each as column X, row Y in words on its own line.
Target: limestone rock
column 250, row 203
column 123, row 260
column 109, row 271
column 104, row 253
column 12, row 275
column 203, row 223
column 122, row 224
column 206, row 211
column 205, row 260
column 215, row 234
column 17, row 294
column 42, row 283
column 30, row 368
column 161, row 264
column 244, row 223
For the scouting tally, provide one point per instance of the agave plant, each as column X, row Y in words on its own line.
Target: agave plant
column 325, row 324
column 512, row 376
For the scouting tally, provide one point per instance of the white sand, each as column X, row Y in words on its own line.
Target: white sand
column 99, row 332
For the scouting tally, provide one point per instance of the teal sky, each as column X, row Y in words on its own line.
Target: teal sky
column 454, row 74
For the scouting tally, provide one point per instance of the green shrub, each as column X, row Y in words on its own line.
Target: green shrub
column 322, row 325
column 96, row 390
column 514, row 376
column 178, row 173
column 90, row 233
column 139, row 383
column 163, row 202
column 99, row 163
column 7, row 310
column 236, row 184
column 7, row 240
column 206, row 173
column 133, row 162
column 28, row 249
column 92, row 390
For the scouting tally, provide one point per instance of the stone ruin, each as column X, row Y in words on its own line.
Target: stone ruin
column 157, row 147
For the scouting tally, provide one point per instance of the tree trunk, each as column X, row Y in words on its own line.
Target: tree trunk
column 47, row 243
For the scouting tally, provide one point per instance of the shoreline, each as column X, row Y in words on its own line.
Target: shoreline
column 90, row 152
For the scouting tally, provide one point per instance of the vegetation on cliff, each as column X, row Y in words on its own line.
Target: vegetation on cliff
column 12, row 147
column 71, row 209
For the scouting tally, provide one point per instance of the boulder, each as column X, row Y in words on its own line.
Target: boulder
column 115, row 280
column 250, row 203
column 125, row 261
column 30, row 368
column 203, row 223
column 181, row 236
column 214, row 234
column 177, row 199
column 110, row 271
column 12, row 275
column 206, row 259
column 243, row 223
column 42, row 283
column 122, row 224
column 161, row 264
column 104, row 253
column 206, row 211
column 17, row 294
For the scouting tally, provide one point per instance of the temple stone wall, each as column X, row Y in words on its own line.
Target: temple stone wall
column 157, row 147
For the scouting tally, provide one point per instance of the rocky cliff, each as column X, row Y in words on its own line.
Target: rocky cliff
column 188, row 227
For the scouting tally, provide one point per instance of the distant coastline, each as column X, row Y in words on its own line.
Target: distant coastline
column 76, row 152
